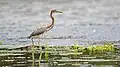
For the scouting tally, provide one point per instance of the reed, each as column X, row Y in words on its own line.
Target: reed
column 33, row 51
column 1, row 42
column 75, row 48
column 40, row 56
column 46, row 53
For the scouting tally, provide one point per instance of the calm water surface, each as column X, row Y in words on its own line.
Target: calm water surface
column 85, row 19
column 82, row 20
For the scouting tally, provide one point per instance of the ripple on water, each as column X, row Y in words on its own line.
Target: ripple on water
column 87, row 20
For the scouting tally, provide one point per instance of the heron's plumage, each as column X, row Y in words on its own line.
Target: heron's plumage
column 38, row 31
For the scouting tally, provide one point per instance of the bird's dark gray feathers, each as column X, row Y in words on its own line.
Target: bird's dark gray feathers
column 38, row 31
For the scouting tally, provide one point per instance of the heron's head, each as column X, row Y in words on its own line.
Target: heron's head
column 55, row 11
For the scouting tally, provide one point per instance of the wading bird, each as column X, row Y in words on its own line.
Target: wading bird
column 40, row 31
column 48, row 27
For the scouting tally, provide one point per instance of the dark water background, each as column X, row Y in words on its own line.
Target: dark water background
column 87, row 20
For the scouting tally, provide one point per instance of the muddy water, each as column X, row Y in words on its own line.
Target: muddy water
column 85, row 19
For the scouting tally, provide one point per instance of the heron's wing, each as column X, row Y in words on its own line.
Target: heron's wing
column 38, row 31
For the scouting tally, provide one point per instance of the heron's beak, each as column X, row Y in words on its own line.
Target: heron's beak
column 59, row 12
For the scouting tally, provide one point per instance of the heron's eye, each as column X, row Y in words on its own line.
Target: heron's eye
column 54, row 10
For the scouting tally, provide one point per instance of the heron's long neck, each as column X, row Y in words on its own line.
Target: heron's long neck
column 52, row 22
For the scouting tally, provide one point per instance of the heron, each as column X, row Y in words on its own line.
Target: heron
column 42, row 30
column 46, row 28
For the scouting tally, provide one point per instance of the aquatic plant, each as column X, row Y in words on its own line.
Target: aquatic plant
column 93, row 49
column 40, row 57
column 109, row 46
column 100, row 49
column 75, row 48
column 61, row 54
column 46, row 53
column 44, row 50
column 33, row 52
column 1, row 42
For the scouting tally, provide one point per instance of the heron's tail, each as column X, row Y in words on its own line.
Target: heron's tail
column 29, row 37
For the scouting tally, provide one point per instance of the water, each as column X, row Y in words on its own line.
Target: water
column 83, row 21
column 60, row 56
column 87, row 19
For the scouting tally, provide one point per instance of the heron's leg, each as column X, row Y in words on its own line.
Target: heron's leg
column 33, row 59
column 45, row 48
column 38, row 40
column 41, row 36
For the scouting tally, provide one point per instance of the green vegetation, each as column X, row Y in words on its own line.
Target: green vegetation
column 94, row 49
column 56, row 54
column 1, row 42
column 40, row 56
column 99, row 49
column 33, row 52
column 46, row 54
